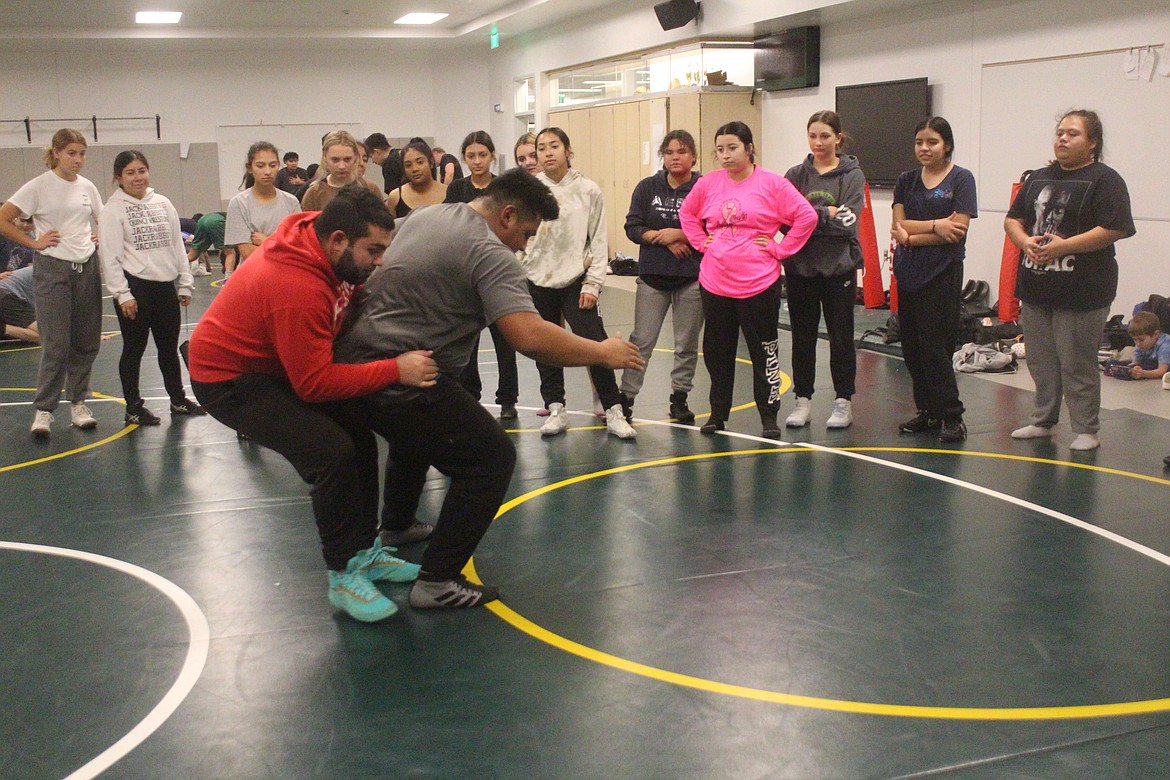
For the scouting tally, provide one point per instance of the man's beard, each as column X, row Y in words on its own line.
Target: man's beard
column 348, row 271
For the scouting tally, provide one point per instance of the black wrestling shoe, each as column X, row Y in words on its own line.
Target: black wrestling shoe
column 919, row 423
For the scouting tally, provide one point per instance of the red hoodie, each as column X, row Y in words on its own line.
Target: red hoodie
column 279, row 316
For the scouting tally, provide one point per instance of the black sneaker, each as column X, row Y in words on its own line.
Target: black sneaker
column 679, row 411
column 456, row 593
column 952, row 431
column 140, row 415
column 415, row 532
column 771, row 428
column 507, row 411
column 711, row 426
column 919, row 423
column 187, row 407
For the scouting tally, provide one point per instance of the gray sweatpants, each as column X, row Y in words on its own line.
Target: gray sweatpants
column 69, row 318
column 1062, row 358
column 650, row 307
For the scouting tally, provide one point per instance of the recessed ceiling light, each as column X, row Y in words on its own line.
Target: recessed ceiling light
column 420, row 18
column 158, row 17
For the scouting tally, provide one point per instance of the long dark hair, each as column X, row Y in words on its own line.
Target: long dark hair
column 943, row 128
column 833, row 120
column 125, row 158
column 564, row 138
column 743, row 133
column 477, row 137
column 423, row 148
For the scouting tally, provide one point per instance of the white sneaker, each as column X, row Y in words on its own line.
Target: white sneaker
column 82, row 417
column 1166, row 381
column 1085, row 441
column 557, row 422
column 1032, row 432
column 42, row 424
column 615, row 423
column 842, row 416
column 197, row 269
column 799, row 416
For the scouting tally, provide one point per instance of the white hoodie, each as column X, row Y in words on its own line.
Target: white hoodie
column 575, row 243
column 141, row 238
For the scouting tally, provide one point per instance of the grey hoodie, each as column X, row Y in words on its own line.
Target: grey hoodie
column 142, row 238
column 833, row 248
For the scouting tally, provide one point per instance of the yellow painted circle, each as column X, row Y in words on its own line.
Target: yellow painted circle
column 839, row 705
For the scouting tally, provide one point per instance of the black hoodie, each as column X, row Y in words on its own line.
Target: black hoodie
column 833, row 248
column 654, row 206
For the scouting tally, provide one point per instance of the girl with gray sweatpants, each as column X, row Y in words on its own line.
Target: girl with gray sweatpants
column 64, row 208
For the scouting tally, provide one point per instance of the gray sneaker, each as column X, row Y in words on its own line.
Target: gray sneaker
column 455, row 593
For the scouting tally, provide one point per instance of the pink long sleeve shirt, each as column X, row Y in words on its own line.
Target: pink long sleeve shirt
column 731, row 215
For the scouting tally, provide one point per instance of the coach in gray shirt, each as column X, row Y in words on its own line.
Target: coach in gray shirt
column 450, row 271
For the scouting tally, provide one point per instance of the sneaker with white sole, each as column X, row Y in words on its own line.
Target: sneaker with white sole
column 455, row 593
column 197, row 269
column 187, row 407
column 842, row 416
column 1032, row 432
column 82, row 417
column 379, row 565
column 1166, row 381
column 140, row 415
column 353, row 592
column 1085, row 442
column 557, row 422
column 615, row 423
column 800, row 415
column 42, row 424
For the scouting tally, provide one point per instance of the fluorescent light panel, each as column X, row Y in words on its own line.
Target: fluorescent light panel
column 158, row 17
column 420, row 18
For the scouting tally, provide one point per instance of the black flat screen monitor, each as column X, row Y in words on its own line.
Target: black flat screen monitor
column 880, row 120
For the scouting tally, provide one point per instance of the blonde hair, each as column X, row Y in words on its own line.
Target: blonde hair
column 337, row 138
column 61, row 139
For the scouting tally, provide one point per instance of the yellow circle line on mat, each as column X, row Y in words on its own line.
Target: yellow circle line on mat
column 66, row 454
column 518, row 621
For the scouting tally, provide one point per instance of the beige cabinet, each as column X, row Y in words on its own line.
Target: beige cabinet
column 616, row 145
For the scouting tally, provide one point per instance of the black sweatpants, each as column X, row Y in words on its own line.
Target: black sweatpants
column 928, row 319
column 508, row 387
column 443, row 427
column 808, row 296
column 328, row 444
column 158, row 316
column 758, row 317
column 553, row 305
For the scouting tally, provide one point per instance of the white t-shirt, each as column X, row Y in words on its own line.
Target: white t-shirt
column 245, row 214
column 69, row 207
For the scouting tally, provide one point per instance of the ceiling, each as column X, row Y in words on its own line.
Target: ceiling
column 307, row 21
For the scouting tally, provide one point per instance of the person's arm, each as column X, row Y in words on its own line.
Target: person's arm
column 9, row 229
column 29, row 334
column 792, row 209
column 597, row 250
column 184, row 282
column 636, row 228
column 1137, row 372
column 689, row 216
column 535, row 337
column 113, row 246
column 1049, row 248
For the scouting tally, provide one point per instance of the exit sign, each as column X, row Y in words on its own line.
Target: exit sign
column 495, row 37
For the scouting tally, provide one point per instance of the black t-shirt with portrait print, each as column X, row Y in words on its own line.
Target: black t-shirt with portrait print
column 1068, row 203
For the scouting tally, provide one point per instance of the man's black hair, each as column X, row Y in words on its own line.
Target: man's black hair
column 376, row 141
column 519, row 188
column 353, row 210
column 290, row 156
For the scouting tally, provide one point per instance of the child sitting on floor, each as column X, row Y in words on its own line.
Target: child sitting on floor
column 1151, row 354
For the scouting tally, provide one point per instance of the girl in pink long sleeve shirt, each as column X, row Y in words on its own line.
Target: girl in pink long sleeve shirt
column 732, row 216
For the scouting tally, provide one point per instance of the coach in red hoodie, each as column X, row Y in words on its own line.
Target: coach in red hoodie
column 261, row 362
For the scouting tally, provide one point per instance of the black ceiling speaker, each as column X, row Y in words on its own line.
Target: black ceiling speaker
column 676, row 13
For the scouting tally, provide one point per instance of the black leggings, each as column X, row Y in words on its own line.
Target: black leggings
column 158, row 316
column 553, row 304
column 758, row 317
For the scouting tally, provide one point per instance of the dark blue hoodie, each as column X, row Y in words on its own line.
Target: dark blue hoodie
column 654, row 206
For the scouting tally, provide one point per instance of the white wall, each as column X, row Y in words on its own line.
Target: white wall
column 949, row 43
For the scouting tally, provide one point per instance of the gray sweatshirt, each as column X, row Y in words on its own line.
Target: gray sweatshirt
column 833, row 248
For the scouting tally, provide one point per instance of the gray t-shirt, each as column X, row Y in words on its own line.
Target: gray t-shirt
column 246, row 214
column 444, row 278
